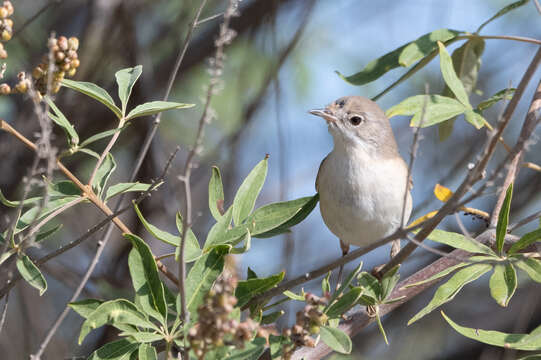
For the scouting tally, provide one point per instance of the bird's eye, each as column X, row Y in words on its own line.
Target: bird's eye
column 356, row 120
column 341, row 103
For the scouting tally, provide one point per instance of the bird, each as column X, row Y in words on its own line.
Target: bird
column 364, row 184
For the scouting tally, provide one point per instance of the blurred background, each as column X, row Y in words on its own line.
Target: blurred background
column 281, row 64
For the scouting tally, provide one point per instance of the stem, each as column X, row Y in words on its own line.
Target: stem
column 106, row 151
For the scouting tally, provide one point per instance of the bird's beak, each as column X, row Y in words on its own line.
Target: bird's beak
column 325, row 114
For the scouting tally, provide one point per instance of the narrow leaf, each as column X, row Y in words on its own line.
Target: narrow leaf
column 216, row 194
column 496, row 338
column 525, row 241
column 85, row 307
column 532, row 267
column 63, row 122
column 147, row 352
column 14, row 203
column 450, row 77
column 101, row 135
column 32, row 214
column 293, row 296
column 503, row 219
column 336, row 339
column 474, row 118
column 505, row 94
column 244, row 201
column 154, row 107
column 448, row 291
column 503, row 283
column 95, row 92
column 247, row 289
column 122, row 188
column 125, row 79
column 144, row 273
column 389, row 281
column 47, row 233
column 459, row 241
column 370, row 285
column 271, row 317
column 201, row 277
column 344, row 303
column 116, row 350
column 192, row 251
column 437, row 108
column 347, row 281
column 251, row 351
column 31, row 274
column 502, row 12
column 105, row 170
column 442, row 193
column 404, row 56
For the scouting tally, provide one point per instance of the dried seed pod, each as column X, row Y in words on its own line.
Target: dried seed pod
column 22, row 86
column 6, row 35
column 5, row 89
column 62, row 43
column 73, row 43
column 9, row 7
column 3, row 12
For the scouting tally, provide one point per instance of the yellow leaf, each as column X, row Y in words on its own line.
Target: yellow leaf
column 442, row 193
column 423, row 218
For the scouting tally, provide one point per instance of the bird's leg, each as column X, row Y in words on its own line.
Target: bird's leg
column 345, row 250
column 395, row 247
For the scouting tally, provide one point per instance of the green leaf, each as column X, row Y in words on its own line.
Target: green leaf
column 371, row 286
column 525, row 241
column 474, row 118
column 451, row 78
column 32, row 214
column 503, row 219
column 121, row 188
column 299, row 216
column 326, row 284
column 31, row 274
column 147, row 352
column 114, row 312
column 154, row 107
column 506, row 94
column 14, row 204
column 63, row 188
column 276, row 345
column 389, row 281
column 459, row 241
column 272, row 216
column 221, row 234
column 95, row 92
column 247, row 289
column 381, row 329
column 143, row 336
column 191, row 250
column 336, row 339
column 438, row 108
column 6, row 255
column 502, row 12
column 247, row 244
column 101, row 135
column 528, row 342
column 125, row 79
column 116, row 350
column 449, row 270
column 344, row 303
column 532, row 267
column 251, row 351
column 293, row 296
column 250, row 274
column 405, row 56
column 503, row 283
column 63, row 122
column 144, row 273
column 47, row 233
column 216, row 194
column 104, row 172
column 345, row 285
column 201, row 277
column 448, row 291
column 244, row 201
column 85, row 307
column 466, row 63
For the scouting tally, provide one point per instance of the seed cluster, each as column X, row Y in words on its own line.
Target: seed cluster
column 6, row 26
column 214, row 327
column 308, row 323
column 64, row 63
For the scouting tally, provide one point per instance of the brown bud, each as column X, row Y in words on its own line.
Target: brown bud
column 3, row 12
column 8, row 23
column 73, row 43
column 62, row 43
column 4, row 89
column 3, row 54
column 75, row 63
column 37, row 73
column 59, row 75
column 59, row 55
column 65, row 67
column 56, row 87
column 6, row 35
column 72, row 72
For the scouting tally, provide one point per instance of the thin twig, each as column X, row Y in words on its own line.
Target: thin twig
column 525, row 221
column 4, row 313
column 210, row 18
column 35, row 16
column 106, row 151
column 501, row 37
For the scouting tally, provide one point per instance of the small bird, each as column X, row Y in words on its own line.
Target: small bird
column 363, row 181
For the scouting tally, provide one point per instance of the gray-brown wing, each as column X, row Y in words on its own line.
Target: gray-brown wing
column 318, row 172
